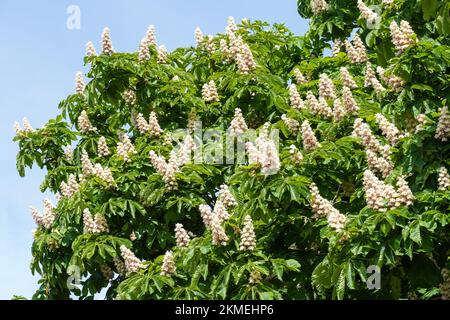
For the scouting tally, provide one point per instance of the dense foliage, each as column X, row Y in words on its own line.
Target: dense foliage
column 359, row 178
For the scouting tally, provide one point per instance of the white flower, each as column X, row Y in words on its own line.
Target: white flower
column 84, row 123
column 79, row 83
column 209, row 92
column 206, row 214
column 220, row 211
column 162, row 54
column 318, row 6
column 107, row 47
column 403, row 36
column 366, row 12
column 337, row 45
column 26, row 125
column 181, row 236
column 443, row 179
column 292, row 124
column 339, row 112
column 248, row 238
column 168, row 267
column 125, row 148
column 102, row 148
column 130, row 97
column 362, row 130
column 144, row 51
column 296, row 155
column 231, row 26
column 226, row 197
column 90, row 49
column 238, row 125
column 299, row 77
column 153, row 125
column 389, row 130
column 326, row 87
column 198, row 35
column 219, row 236
column 443, row 126
column 349, row 102
column 294, row 98
column 132, row 263
column 309, row 139
column 347, row 79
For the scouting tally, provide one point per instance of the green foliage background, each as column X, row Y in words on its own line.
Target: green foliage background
column 298, row 257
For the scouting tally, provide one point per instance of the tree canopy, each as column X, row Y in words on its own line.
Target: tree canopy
column 345, row 137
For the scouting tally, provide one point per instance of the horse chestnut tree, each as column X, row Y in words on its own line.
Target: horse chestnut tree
column 171, row 184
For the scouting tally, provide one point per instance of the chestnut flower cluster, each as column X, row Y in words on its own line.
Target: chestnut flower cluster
column 102, row 147
column 248, row 238
column 379, row 164
column 299, row 77
column 70, row 188
column 318, row 6
column 107, row 272
column 349, row 102
column 294, row 97
column 323, row 208
column 356, row 52
column 152, row 126
column 319, row 107
column 362, row 130
column 162, row 54
column 90, row 49
column 309, row 139
column 130, row 97
column 68, row 153
column 389, row 130
column 366, row 12
column 443, row 179
column 381, row 196
column 107, row 46
column 326, row 87
column 238, row 125
column 226, row 197
column 79, row 83
column 26, row 127
column 292, row 124
column 132, row 263
column 336, row 48
column 371, row 80
column 89, row 169
column 181, row 236
column 443, row 126
column 347, row 78
column 264, row 152
column 125, row 148
column 339, row 112
column 84, row 123
column 402, row 36
column 237, row 49
column 146, row 42
column 209, row 92
column 48, row 216
column 394, row 82
column 296, row 155
column 168, row 267
column 169, row 168
column 97, row 224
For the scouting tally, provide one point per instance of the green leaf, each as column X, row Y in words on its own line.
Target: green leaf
column 415, row 232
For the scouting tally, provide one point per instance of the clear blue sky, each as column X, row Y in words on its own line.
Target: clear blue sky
column 39, row 57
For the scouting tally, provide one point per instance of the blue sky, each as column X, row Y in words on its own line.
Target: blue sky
column 39, row 57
